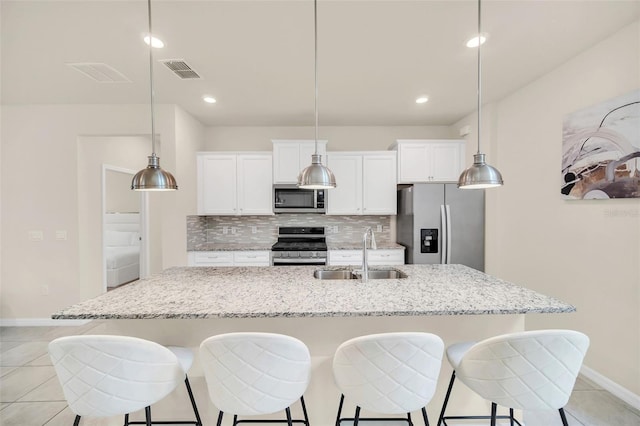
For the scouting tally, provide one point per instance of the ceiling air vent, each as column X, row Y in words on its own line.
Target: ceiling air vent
column 99, row 72
column 180, row 68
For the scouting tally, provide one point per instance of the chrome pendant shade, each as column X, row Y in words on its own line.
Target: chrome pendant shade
column 316, row 176
column 153, row 178
column 480, row 175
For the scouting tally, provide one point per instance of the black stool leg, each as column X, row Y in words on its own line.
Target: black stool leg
column 511, row 416
column 220, row 414
column 288, row 411
column 356, row 418
column 304, row 411
column 424, row 416
column 339, row 409
column 563, row 417
column 147, row 415
column 446, row 398
column 126, row 419
column 409, row 419
column 494, row 408
column 193, row 401
column 76, row 422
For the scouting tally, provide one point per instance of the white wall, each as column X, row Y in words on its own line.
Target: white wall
column 44, row 141
column 341, row 138
column 584, row 252
column 118, row 197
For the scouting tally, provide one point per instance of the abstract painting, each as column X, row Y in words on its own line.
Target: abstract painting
column 601, row 150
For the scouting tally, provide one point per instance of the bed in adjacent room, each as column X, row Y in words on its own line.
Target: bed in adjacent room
column 122, row 248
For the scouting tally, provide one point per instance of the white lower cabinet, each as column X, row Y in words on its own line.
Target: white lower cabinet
column 229, row 258
column 376, row 257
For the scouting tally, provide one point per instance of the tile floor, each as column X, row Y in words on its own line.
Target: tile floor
column 31, row 396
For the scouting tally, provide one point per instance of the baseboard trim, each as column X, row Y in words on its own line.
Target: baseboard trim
column 612, row 387
column 39, row 322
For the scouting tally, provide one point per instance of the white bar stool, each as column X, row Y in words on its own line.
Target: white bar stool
column 104, row 376
column 251, row 374
column 531, row 370
column 389, row 373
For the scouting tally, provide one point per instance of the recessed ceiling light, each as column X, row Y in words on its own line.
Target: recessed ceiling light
column 209, row 99
column 473, row 42
column 155, row 42
column 422, row 100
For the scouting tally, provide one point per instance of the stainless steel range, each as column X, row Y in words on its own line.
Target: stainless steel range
column 299, row 246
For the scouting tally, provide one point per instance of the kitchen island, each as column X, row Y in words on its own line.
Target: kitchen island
column 184, row 305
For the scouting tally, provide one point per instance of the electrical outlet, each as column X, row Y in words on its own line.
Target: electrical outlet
column 233, row 229
column 379, row 228
column 335, row 229
column 225, row 230
column 254, row 229
column 61, row 235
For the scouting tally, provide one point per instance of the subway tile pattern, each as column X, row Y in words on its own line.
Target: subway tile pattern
column 260, row 231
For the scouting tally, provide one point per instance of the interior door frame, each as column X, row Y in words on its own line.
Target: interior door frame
column 144, row 224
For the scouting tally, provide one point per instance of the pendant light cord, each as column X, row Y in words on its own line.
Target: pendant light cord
column 153, row 128
column 315, row 62
column 479, row 73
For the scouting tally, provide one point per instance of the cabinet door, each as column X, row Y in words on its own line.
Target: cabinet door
column 346, row 197
column 446, row 161
column 210, row 258
column 413, row 162
column 216, row 184
column 379, row 184
column 345, row 258
column 385, row 257
column 254, row 185
column 252, row 258
column 286, row 162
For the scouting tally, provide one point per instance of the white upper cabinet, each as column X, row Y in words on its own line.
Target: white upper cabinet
column 291, row 156
column 440, row 160
column 366, row 183
column 234, row 184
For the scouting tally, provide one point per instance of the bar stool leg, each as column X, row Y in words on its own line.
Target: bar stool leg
column 446, row 398
column 147, row 415
column 126, row 419
column 409, row 419
column 563, row 417
column 193, row 401
column 356, row 418
column 339, row 409
column 304, row 411
column 220, row 414
column 76, row 422
column 494, row 408
column 424, row 416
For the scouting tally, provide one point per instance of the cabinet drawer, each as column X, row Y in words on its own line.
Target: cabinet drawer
column 211, row 258
column 386, row 257
column 251, row 258
column 345, row 257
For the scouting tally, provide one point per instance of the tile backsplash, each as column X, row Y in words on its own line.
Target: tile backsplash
column 203, row 230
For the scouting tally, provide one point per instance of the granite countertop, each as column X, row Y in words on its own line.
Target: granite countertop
column 232, row 247
column 267, row 246
column 358, row 246
column 291, row 291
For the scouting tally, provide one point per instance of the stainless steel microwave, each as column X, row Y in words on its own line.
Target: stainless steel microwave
column 291, row 199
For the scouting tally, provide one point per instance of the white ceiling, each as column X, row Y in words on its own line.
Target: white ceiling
column 256, row 57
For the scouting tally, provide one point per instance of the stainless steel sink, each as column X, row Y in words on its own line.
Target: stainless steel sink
column 325, row 274
column 383, row 274
column 347, row 274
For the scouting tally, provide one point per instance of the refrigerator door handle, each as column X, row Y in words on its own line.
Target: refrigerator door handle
column 444, row 237
column 448, row 236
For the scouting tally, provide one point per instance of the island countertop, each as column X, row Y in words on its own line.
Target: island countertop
column 292, row 291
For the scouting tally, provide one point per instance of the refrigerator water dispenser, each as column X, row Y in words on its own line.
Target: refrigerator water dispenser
column 429, row 240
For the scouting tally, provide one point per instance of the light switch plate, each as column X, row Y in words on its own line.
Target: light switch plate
column 36, row 236
column 61, row 235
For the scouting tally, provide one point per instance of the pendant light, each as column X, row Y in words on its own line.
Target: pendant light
column 316, row 176
column 153, row 178
column 480, row 175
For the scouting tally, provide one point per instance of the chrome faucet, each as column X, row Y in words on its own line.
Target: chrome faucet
column 365, row 257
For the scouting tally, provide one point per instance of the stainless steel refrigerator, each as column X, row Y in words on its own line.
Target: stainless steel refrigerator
column 440, row 223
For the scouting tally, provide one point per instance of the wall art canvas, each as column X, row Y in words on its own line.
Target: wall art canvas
column 601, row 150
